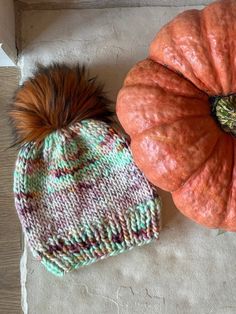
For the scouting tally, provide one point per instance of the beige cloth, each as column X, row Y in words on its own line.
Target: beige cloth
column 191, row 269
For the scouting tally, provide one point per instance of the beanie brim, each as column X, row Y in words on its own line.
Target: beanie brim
column 94, row 241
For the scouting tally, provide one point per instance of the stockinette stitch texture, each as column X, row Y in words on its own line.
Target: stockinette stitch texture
column 78, row 193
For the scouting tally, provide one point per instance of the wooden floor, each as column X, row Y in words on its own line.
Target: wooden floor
column 10, row 231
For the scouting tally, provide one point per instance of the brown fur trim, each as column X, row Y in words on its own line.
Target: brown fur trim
column 54, row 98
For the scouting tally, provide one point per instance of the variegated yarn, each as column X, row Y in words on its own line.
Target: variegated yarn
column 80, row 197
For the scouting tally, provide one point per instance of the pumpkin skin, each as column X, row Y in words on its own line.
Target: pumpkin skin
column 165, row 107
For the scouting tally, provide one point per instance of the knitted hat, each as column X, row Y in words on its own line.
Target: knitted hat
column 78, row 193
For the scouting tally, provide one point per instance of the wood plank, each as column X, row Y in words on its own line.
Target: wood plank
column 95, row 4
column 10, row 230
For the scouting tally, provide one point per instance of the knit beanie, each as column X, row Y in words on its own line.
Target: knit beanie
column 79, row 196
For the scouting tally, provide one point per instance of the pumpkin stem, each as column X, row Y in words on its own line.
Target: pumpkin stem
column 224, row 109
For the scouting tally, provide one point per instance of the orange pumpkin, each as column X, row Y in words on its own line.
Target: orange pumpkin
column 179, row 108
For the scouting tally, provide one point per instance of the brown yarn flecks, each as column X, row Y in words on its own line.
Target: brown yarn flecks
column 54, row 98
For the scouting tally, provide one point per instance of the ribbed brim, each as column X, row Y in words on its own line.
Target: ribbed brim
column 90, row 243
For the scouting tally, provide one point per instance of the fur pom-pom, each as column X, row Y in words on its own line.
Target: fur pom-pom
column 54, row 98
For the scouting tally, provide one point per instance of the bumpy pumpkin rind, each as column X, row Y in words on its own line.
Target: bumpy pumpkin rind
column 201, row 45
column 153, row 95
column 164, row 107
column 204, row 196
column 169, row 154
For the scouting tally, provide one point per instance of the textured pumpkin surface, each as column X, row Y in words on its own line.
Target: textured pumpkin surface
column 164, row 106
column 201, row 45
